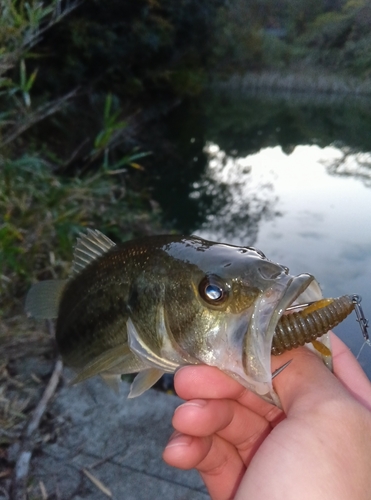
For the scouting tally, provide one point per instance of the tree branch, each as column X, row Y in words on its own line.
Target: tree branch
column 20, row 475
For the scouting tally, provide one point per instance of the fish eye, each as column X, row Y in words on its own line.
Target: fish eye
column 212, row 290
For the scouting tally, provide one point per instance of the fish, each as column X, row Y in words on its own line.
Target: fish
column 153, row 304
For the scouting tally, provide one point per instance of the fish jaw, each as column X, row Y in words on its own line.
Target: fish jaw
column 258, row 340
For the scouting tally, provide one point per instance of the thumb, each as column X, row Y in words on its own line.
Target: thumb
column 350, row 373
column 306, row 382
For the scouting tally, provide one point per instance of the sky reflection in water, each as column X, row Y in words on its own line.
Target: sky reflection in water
column 301, row 214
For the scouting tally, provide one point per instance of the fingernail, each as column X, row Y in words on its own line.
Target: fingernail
column 199, row 403
column 179, row 439
column 179, row 370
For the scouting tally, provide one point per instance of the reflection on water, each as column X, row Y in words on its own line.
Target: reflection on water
column 299, row 214
column 356, row 165
column 240, row 201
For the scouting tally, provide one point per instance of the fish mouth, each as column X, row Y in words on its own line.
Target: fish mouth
column 269, row 308
column 300, row 289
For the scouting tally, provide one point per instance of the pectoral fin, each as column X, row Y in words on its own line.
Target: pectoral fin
column 137, row 343
column 113, row 381
column 144, row 380
column 119, row 359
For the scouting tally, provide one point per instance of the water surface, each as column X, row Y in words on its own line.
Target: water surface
column 287, row 176
column 303, row 216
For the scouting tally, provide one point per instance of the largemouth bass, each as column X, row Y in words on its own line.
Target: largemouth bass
column 153, row 304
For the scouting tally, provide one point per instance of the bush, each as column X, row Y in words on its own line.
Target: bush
column 44, row 212
column 43, row 208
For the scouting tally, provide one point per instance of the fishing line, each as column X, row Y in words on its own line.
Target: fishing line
column 361, row 349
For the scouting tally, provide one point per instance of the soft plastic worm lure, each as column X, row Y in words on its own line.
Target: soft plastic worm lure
column 315, row 319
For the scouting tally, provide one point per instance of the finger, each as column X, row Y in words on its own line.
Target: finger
column 207, row 382
column 349, row 372
column 186, row 452
column 236, row 424
column 306, row 382
column 218, row 462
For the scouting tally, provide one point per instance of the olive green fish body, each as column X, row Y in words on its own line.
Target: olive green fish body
column 156, row 303
column 138, row 279
column 93, row 313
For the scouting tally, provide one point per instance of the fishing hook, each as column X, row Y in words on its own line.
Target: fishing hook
column 280, row 369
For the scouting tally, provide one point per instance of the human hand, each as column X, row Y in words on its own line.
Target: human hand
column 318, row 447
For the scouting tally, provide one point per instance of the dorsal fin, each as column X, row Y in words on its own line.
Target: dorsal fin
column 89, row 246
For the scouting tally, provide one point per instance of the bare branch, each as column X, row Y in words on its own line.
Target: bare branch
column 39, row 114
column 19, row 484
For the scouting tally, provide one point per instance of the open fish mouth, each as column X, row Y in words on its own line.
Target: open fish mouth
column 300, row 289
column 269, row 308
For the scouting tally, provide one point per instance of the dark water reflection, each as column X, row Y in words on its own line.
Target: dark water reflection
column 288, row 176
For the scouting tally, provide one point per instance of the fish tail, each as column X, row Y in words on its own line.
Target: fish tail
column 42, row 301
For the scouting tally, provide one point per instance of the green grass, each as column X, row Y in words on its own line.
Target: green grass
column 41, row 209
column 42, row 213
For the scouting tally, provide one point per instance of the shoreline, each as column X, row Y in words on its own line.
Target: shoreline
column 306, row 82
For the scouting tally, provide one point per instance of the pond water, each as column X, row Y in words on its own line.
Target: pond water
column 290, row 178
column 302, row 216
